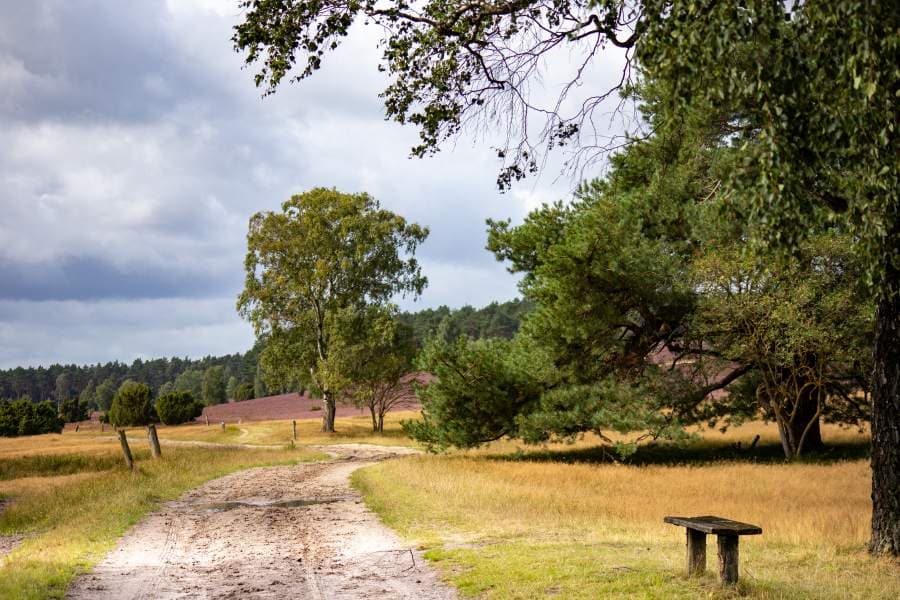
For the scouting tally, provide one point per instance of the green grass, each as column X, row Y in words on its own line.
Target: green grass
column 71, row 521
column 58, row 464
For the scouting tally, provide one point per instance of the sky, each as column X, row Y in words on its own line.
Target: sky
column 134, row 148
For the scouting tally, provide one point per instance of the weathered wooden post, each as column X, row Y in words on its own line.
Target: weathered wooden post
column 101, row 426
column 129, row 461
column 207, row 419
column 696, row 552
column 76, row 427
column 728, row 559
column 223, row 425
column 155, row 450
column 295, row 430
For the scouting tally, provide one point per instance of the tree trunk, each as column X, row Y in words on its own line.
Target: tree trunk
column 328, row 413
column 374, row 418
column 381, row 422
column 886, row 418
column 807, row 416
column 791, row 432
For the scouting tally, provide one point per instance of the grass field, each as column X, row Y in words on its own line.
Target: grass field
column 568, row 522
column 72, row 499
column 502, row 522
column 349, row 429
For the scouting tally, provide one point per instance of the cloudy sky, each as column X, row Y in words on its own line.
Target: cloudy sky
column 134, row 148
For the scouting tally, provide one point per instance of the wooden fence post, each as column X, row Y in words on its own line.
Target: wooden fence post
column 207, row 420
column 129, row 461
column 295, row 430
column 155, row 450
column 223, row 425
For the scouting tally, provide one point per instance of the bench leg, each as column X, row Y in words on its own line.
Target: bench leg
column 696, row 552
column 728, row 559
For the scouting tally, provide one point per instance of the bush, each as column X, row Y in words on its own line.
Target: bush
column 131, row 405
column 177, row 407
column 23, row 417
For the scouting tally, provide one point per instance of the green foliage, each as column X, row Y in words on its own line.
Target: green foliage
column 214, row 391
column 480, row 389
column 24, row 417
column 106, row 391
column 190, row 381
column 178, row 407
column 132, row 405
column 244, row 391
column 497, row 319
column 371, row 353
column 230, row 387
column 73, row 410
column 88, row 395
column 63, row 387
column 325, row 253
column 450, row 62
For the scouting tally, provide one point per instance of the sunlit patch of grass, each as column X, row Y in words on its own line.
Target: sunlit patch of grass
column 356, row 429
column 71, row 521
column 57, row 464
column 521, row 528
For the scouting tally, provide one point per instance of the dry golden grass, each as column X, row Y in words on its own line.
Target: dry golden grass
column 357, row 429
column 510, row 524
column 85, row 443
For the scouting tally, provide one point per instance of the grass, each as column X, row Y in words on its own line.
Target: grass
column 357, row 429
column 72, row 507
column 507, row 522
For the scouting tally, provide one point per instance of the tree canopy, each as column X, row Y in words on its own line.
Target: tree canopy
column 811, row 88
column 324, row 254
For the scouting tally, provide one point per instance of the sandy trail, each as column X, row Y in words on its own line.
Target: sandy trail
column 8, row 543
column 273, row 532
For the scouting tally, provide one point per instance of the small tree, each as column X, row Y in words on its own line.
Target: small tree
column 231, row 387
column 214, row 391
column 374, row 351
column 190, row 381
column 105, row 393
column 131, row 405
column 178, row 407
column 88, row 396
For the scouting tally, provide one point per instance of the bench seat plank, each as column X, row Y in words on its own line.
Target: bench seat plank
column 715, row 525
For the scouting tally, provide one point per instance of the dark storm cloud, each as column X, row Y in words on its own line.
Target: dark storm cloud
column 93, row 278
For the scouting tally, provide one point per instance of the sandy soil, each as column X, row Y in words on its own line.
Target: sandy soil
column 274, row 532
column 8, row 543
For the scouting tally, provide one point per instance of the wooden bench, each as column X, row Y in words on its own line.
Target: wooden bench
column 726, row 530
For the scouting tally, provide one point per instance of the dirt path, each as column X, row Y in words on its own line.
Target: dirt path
column 8, row 543
column 274, row 532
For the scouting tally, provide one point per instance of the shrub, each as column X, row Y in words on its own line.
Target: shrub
column 23, row 417
column 177, row 407
column 131, row 405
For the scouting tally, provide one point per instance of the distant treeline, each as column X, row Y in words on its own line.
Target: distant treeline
column 496, row 320
column 213, row 379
